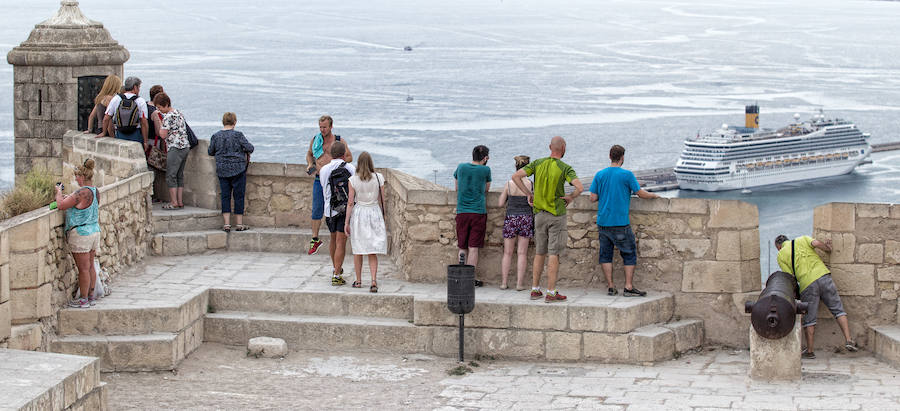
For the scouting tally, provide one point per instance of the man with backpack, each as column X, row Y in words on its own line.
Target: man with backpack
column 128, row 112
column 335, row 180
column 317, row 157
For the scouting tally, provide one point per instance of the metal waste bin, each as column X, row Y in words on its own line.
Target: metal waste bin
column 460, row 288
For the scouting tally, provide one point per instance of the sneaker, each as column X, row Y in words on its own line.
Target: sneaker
column 553, row 298
column 92, row 301
column 314, row 246
column 536, row 294
column 634, row 292
column 79, row 303
column 807, row 355
column 851, row 346
column 338, row 280
column 479, row 283
column 612, row 291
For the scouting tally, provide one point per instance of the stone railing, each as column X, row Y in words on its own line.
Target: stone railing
column 864, row 263
column 114, row 159
column 704, row 252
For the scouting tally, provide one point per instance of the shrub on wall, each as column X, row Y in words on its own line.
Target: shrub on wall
column 35, row 192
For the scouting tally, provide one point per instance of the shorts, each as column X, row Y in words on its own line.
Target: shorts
column 518, row 226
column 336, row 223
column 622, row 238
column 470, row 228
column 318, row 205
column 550, row 234
column 82, row 243
column 823, row 289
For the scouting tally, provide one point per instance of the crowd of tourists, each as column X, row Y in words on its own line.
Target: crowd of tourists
column 351, row 200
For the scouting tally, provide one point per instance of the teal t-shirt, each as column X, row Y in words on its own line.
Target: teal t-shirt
column 613, row 187
column 470, row 181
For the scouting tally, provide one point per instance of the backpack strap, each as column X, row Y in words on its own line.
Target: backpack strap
column 793, row 270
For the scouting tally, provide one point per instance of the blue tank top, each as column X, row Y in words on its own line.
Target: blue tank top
column 86, row 221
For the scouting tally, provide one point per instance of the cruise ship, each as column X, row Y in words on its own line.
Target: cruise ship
column 733, row 158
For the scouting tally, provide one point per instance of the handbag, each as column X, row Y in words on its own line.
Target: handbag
column 191, row 137
column 156, row 157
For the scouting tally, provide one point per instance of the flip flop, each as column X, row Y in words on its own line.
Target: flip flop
column 226, row 228
column 241, row 227
column 170, row 207
column 356, row 284
column 373, row 288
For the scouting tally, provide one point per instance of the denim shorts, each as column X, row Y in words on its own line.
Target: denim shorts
column 318, row 205
column 824, row 289
column 622, row 238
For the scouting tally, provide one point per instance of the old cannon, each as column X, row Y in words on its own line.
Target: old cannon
column 775, row 311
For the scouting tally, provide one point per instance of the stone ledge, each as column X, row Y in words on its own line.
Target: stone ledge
column 312, row 303
column 41, row 381
column 886, row 343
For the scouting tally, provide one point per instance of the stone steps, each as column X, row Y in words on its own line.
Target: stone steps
column 133, row 338
column 185, row 219
column 266, row 240
column 884, row 342
column 323, row 303
column 46, row 381
column 26, row 337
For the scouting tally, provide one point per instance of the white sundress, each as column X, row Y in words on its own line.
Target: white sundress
column 368, row 234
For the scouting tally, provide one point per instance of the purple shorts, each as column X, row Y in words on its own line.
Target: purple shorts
column 518, row 225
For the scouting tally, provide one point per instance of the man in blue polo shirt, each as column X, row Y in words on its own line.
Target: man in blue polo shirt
column 612, row 189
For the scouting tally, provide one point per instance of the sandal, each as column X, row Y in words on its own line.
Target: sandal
column 356, row 284
column 503, row 287
column 170, row 206
column 241, row 227
column 226, row 228
column 373, row 288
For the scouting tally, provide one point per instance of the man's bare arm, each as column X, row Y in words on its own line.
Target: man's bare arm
column 310, row 160
column 517, row 180
column 824, row 246
column 578, row 190
column 646, row 194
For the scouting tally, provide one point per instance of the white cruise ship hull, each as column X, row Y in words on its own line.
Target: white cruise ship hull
column 778, row 175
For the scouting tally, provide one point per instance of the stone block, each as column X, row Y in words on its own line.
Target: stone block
column 157, row 244
column 316, row 304
column 197, row 243
column 424, row 232
column 649, row 205
column 625, row 317
column 890, row 273
column 564, row 346
column 651, row 343
column 650, row 248
column 153, row 352
column 688, row 334
column 606, row 347
column 892, row 252
column 750, row 245
column 266, row 169
column 5, row 320
column 216, row 241
column 854, row 279
column 750, row 280
column 5, row 246
column 175, row 245
column 428, row 197
column 775, row 360
column 843, row 245
column 29, row 235
column 381, row 306
column 712, row 277
column 873, row 210
column 509, row 343
column 291, row 219
column 266, row 347
column 688, row 205
column 587, row 318
column 78, row 321
column 244, row 241
column 835, row 217
column 26, row 337
column 870, row 253
column 728, row 246
column 537, row 317
column 445, row 340
column 4, row 283
column 434, row 312
column 27, row 270
column 31, row 304
column 696, row 247
column 732, row 214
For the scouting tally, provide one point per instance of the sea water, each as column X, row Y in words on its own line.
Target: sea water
column 510, row 75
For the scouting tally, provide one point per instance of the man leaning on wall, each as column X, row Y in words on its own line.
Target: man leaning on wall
column 318, row 156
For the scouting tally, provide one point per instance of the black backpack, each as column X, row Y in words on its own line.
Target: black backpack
column 128, row 114
column 339, row 182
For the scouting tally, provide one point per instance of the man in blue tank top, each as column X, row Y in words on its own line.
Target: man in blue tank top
column 612, row 189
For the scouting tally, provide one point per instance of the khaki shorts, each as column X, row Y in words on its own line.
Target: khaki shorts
column 550, row 234
column 83, row 243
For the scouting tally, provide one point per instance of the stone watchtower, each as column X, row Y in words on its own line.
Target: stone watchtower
column 57, row 73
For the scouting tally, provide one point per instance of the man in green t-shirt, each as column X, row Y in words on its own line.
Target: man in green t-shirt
column 798, row 257
column 549, row 200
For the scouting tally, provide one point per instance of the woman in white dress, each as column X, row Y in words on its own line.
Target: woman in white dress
column 365, row 218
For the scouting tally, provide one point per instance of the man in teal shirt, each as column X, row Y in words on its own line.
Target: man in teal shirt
column 612, row 189
column 473, row 180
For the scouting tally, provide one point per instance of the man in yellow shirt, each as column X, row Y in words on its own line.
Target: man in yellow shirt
column 798, row 257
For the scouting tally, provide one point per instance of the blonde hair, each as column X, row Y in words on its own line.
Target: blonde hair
column 521, row 161
column 86, row 170
column 229, row 119
column 328, row 119
column 111, row 86
column 365, row 168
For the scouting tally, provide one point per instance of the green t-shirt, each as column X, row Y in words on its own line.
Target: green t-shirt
column 550, row 177
column 470, row 183
column 808, row 264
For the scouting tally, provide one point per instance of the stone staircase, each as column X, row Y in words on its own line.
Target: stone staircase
column 884, row 341
column 193, row 230
column 607, row 329
column 46, row 381
column 133, row 338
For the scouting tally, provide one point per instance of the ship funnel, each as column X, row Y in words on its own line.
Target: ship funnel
column 751, row 113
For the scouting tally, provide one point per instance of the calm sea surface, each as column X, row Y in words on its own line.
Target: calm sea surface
column 511, row 74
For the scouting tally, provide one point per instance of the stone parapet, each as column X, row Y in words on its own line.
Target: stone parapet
column 114, row 159
column 865, row 266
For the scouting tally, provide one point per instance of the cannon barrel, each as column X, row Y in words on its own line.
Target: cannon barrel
column 775, row 311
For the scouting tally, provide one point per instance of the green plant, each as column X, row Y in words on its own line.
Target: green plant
column 36, row 191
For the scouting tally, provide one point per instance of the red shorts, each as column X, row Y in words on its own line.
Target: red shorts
column 470, row 229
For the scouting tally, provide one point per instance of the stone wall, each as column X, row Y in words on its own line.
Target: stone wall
column 705, row 252
column 865, row 266
column 114, row 159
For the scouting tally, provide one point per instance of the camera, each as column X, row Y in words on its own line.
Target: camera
column 311, row 170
